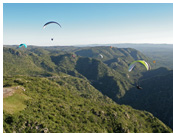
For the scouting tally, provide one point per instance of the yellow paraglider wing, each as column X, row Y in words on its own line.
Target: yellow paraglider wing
column 133, row 64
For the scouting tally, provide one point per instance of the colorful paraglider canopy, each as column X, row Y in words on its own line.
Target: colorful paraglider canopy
column 51, row 22
column 154, row 61
column 23, row 45
column 73, row 56
column 133, row 64
column 101, row 55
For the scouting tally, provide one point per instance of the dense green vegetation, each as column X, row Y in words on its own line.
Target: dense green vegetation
column 57, row 105
column 76, row 90
column 45, row 62
column 162, row 53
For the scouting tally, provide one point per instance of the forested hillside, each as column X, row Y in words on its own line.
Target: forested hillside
column 68, row 104
column 156, row 96
column 73, row 89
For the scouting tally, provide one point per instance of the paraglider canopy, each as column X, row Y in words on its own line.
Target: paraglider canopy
column 51, row 22
column 22, row 45
column 133, row 64
column 73, row 56
column 101, row 55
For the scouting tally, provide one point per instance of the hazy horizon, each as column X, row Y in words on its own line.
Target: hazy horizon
column 98, row 44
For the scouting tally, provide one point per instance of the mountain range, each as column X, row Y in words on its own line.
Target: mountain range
column 82, row 76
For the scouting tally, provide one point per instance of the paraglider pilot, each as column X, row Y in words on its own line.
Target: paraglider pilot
column 138, row 87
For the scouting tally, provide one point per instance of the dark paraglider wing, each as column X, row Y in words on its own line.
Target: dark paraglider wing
column 51, row 22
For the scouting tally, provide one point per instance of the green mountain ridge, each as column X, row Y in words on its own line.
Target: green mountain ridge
column 108, row 76
column 51, row 64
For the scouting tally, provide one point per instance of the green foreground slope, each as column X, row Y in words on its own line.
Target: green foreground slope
column 71, row 104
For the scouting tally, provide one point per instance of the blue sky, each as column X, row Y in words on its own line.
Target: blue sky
column 87, row 23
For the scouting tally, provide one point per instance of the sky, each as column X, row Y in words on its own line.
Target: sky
column 83, row 23
column 87, row 23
